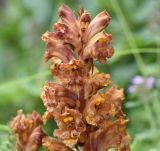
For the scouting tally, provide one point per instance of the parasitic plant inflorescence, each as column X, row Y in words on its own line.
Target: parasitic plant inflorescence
column 87, row 118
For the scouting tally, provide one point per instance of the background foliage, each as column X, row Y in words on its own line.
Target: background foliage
column 135, row 26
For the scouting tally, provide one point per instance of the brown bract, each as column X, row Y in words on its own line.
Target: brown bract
column 86, row 116
column 28, row 131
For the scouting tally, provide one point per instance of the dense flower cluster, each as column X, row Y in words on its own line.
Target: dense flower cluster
column 86, row 117
column 28, row 131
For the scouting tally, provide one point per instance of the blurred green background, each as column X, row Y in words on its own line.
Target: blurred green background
column 135, row 26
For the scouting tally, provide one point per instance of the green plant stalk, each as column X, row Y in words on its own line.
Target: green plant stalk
column 149, row 114
column 129, row 36
column 4, row 128
column 23, row 80
column 140, row 50
column 156, row 105
column 136, row 145
column 158, row 62
column 121, row 53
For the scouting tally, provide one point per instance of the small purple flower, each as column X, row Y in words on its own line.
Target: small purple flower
column 137, row 80
column 151, row 82
column 131, row 89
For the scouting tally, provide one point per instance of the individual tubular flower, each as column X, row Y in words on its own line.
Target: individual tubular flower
column 99, row 23
column 114, row 136
column 85, row 116
column 98, row 48
column 56, row 98
column 116, row 96
column 70, row 125
column 101, row 108
column 67, row 28
column 28, row 131
column 57, row 50
column 96, row 110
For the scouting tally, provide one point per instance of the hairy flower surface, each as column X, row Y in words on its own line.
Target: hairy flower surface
column 85, row 116
column 28, row 131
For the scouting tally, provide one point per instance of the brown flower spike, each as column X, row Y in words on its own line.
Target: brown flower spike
column 87, row 119
column 28, row 131
column 83, row 114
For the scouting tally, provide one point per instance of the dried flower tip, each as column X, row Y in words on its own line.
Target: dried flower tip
column 57, row 50
column 97, row 24
column 28, row 131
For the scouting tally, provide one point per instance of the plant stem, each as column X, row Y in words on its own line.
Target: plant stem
column 156, row 105
column 23, row 80
column 149, row 112
column 4, row 128
column 129, row 36
column 121, row 53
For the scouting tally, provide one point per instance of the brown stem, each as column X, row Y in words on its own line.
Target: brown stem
column 82, row 100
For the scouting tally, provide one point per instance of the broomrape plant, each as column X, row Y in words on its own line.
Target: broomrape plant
column 87, row 119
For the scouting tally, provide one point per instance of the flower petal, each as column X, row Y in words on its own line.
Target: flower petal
column 56, row 49
column 95, row 83
column 114, row 136
column 96, row 110
column 70, row 125
column 116, row 96
column 67, row 28
column 98, row 47
column 84, row 20
column 71, row 74
column 97, row 24
column 55, row 98
column 101, row 108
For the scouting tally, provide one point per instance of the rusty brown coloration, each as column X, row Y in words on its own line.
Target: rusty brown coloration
column 86, row 117
column 28, row 131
